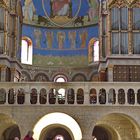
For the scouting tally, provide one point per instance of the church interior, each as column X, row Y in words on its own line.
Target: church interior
column 70, row 69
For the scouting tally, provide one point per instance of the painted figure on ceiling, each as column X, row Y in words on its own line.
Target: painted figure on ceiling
column 92, row 9
column 60, row 7
column 28, row 10
column 37, row 36
column 72, row 38
column 61, row 38
column 83, row 37
column 49, row 39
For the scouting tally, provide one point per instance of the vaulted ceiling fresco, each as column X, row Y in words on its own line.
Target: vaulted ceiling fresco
column 62, row 13
column 60, row 28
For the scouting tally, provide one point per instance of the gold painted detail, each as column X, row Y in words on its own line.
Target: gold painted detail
column 3, row 4
column 118, row 3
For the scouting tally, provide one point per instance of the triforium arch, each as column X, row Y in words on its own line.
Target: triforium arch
column 120, row 126
column 57, row 119
column 9, row 128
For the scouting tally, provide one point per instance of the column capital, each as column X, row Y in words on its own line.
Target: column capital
column 3, row 67
column 12, row 70
column 110, row 66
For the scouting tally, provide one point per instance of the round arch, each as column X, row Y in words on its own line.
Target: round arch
column 58, row 119
column 26, row 76
column 41, row 76
column 116, row 123
column 9, row 128
column 79, row 77
column 58, row 75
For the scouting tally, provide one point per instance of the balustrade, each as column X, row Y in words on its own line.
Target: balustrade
column 87, row 93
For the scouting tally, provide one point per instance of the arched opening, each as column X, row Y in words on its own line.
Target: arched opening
column 101, row 133
column 93, row 96
column 59, row 121
column 93, row 50
column 11, row 132
column 33, row 96
column 26, row 51
column 112, row 127
column 43, row 96
column 41, row 77
column 9, row 129
column 60, row 78
column 55, row 133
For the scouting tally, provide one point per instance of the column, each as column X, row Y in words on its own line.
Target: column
column 97, row 93
column 126, row 98
column 3, row 73
column 27, row 98
column 136, row 100
column 13, row 71
column 75, row 97
column 86, row 98
column 110, row 73
column 116, row 93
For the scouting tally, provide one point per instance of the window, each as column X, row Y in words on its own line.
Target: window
column 93, row 51
column 60, row 78
column 26, row 51
column 119, row 27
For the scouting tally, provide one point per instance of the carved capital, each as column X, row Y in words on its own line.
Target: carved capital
column 110, row 66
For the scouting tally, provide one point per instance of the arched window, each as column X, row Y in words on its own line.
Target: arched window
column 43, row 96
column 111, row 96
column 33, row 96
column 26, row 51
column 60, row 78
column 71, row 96
column 121, row 96
column 131, row 96
column 93, row 50
column 61, row 92
column 93, row 96
column 102, row 96
column 11, row 96
column 2, row 96
column 61, row 96
column 80, row 96
column 52, row 96
column 20, row 96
